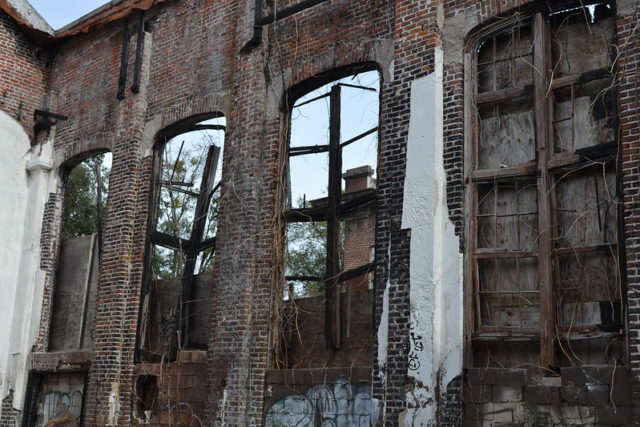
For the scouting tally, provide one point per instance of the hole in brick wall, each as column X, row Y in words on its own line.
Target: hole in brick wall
column 147, row 392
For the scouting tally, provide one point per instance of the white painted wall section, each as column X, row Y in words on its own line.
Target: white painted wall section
column 435, row 355
column 25, row 183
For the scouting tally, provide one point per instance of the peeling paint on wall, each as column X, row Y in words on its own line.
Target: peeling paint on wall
column 435, row 354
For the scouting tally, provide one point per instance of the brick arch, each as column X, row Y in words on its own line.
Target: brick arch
column 74, row 153
column 183, row 126
column 314, row 81
column 80, row 155
column 194, row 110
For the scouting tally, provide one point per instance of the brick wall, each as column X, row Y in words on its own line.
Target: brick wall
column 192, row 66
column 9, row 416
column 23, row 74
column 629, row 104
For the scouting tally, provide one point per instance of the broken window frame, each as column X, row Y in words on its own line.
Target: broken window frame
column 335, row 211
column 192, row 247
column 544, row 170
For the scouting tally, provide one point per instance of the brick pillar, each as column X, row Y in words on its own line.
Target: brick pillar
column 111, row 388
column 629, row 102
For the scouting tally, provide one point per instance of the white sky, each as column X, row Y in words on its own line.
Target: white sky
column 59, row 13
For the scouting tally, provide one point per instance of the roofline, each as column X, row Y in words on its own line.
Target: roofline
column 41, row 32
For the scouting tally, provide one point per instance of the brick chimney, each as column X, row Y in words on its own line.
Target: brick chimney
column 359, row 228
column 358, row 179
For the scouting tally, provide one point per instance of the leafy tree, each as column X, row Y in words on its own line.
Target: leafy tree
column 85, row 197
column 181, row 176
column 306, row 255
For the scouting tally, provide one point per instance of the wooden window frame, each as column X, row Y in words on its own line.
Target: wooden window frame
column 335, row 210
column 195, row 244
column 541, row 170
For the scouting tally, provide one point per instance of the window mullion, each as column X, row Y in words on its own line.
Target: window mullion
column 332, row 311
column 543, row 145
column 191, row 252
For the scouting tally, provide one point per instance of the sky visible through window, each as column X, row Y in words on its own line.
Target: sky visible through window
column 359, row 112
column 59, row 13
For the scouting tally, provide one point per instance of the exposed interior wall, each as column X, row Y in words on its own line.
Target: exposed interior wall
column 173, row 393
column 74, row 300
column 304, row 333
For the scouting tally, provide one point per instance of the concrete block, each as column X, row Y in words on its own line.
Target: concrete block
column 504, row 393
column 620, row 394
column 575, row 376
column 540, row 395
column 597, row 394
column 573, row 395
column 476, row 393
column 609, row 416
column 479, row 376
column 472, row 411
column 517, row 377
column 609, row 374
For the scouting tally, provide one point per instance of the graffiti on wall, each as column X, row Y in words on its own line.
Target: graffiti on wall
column 342, row 404
column 61, row 409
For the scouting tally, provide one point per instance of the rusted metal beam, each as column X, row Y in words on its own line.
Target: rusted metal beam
column 137, row 71
column 261, row 21
column 124, row 56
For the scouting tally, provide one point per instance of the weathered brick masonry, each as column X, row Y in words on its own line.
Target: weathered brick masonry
column 192, row 67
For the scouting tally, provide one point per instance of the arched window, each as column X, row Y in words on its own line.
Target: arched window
column 74, row 300
column 182, row 228
column 543, row 264
column 330, row 221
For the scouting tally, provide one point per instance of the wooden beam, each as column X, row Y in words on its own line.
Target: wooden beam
column 544, row 146
column 470, row 136
column 333, row 330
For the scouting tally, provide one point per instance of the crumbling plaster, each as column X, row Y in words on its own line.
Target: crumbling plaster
column 436, row 336
column 26, row 183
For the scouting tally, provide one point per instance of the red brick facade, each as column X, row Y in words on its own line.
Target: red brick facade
column 192, row 66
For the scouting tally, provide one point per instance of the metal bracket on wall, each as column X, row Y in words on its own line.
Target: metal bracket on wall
column 43, row 121
column 261, row 21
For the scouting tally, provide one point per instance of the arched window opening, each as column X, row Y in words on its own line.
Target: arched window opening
column 74, row 301
column 543, row 201
column 184, row 218
column 330, row 224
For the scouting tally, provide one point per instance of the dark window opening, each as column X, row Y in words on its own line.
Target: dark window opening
column 330, row 224
column 85, row 196
column 543, row 263
column 182, row 240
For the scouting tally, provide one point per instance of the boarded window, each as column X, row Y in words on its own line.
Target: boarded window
column 76, row 285
column 182, row 239
column 57, row 399
column 543, row 260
